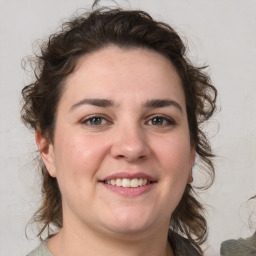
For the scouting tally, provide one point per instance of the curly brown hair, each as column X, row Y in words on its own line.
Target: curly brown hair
column 88, row 33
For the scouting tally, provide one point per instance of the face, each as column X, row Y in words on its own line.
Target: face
column 121, row 150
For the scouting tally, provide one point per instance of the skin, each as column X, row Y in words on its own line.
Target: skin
column 125, row 137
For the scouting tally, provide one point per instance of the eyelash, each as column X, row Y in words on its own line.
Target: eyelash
column 166, row 121
column 86, row 120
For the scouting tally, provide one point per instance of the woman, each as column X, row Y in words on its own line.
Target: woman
column 116, row 108
column 239, row 247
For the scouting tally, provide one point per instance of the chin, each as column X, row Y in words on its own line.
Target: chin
column 127, row 230
column 130, row 221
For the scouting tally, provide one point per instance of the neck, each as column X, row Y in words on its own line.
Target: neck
column 72, row 242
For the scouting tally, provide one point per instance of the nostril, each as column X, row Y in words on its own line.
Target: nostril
column 130, row 145
column 130, row 157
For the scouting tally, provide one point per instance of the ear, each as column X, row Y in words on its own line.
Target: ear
column 192, row 161
column 46, row 151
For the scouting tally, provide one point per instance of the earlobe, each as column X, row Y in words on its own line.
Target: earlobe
column 190, row 177
column 46, row 151
column 192, row 162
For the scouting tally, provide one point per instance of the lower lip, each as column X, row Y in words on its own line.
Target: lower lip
column 129, row 192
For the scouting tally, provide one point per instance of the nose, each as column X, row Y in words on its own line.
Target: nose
column 130, row 143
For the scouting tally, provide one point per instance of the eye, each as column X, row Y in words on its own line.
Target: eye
column 160, row 121
column 94, row 121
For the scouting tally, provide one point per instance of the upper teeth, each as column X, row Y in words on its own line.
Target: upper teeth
column 128, row 183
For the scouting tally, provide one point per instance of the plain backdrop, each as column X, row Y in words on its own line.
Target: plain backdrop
column 220, row 33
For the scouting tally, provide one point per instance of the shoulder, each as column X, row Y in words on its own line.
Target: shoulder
column 41, row 250
column 239, row 247
column 182, row 246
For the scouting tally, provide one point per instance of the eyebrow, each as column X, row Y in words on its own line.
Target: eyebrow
column 104, row 103
column 161, row 103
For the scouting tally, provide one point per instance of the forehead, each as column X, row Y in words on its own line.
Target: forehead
column 114, row 57
column 113, row 71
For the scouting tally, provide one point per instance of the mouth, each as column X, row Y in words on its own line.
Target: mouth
column 129, row 180
column 128, row 183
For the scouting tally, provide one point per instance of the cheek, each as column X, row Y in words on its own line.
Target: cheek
column 175, row 154
column 78, row 155
column 174, row 157
column 77, row 160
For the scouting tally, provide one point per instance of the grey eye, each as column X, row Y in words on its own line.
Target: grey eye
column 157, row 121
column 160, row 121
column 95, row 121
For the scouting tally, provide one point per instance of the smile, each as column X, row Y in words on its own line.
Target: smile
column 128, row 183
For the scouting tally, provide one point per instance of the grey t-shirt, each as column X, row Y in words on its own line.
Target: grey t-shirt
column 240, row 247
column 182, row 247
column 41, row 250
